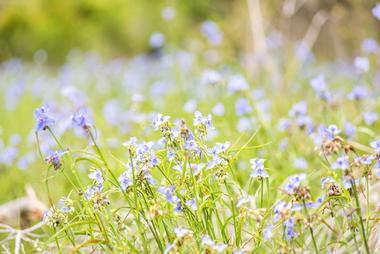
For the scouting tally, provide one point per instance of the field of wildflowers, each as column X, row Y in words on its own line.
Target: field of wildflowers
column 185, row 151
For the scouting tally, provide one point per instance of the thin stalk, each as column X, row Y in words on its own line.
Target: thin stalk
column 310, row 228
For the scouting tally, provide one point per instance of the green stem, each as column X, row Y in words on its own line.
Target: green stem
column 310, row 228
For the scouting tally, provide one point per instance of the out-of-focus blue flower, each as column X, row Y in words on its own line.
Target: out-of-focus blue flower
column 325, row 181
column 97, row 176
column 217, row 247
column 289, row 227
column 258, row 168
column 157, row 40
column 370, row 117
column 300, row 163
column 43, row 119
column 358, row 93
column 361, row 64
column 212, row 32
column 349, row 129
column 237, row 83
column 376, row 146
column 192, row 204
column 376, row 11
column 242, row 107
column 168, row 13
column 341, row 163
column 268, row 232
column 298, row 109
column 366, row 160
column 370, row 46
column 182, row 232
column 218, row 109
column 211, row 77
column 320, row 88
column 125, row 180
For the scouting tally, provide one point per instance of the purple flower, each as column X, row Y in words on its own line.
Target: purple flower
column 298, row 109
column 268, row 232
column 54, row 158
column 370, row 118
column 331, row 131
column 370, row 46
column 293, row 183
column 358, row 93
column 341, row 163
column 242, row 107
column 300, row 163
column 159, row 121
column 97, row 176
column 361, row 64
column 376, row 146
column 258, row 168
column 43, row 119
column 81, row 119
column 212, row 32
column 349, row 129
column 125, row 180
column 168, row 193
column 157, row 40
column 218, row 109
column 289, row 227
column 237, row 83
column 376, row 11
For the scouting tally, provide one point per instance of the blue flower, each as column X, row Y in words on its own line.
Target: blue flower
column 331, row 131
column 43, row 119
column 298, row 109
column 54, row 158
column 376, row 11
column 289, row 226
column 361, row 64
column 268, row 232
column 376, row 146
column 97, row 176
column 125, row 180
column 159, row 121
column 358, row 93
column 370, row 118
column 168, row 193
column 258, row 168
column 349, row 129
column 242, row 107
column 81, row 119
column 341, row 163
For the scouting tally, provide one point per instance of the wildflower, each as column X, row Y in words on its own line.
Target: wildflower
column 54, row 159
column 168, row 13
column 370, row 118
column 341, row 163
column 125, row 180
column 218, row 109
column 159, row 121
column 358, row 93
column 192, row 204
column 331, row 131
column 157, row 40
column 97, row 176
column 325, row 181
column 300, row 163
column 44, row 121
column 361, row 64
column 211, row 77
column 298, row 109
column 376, row 11
column 280, row 210
column 370, row 45
column 212, row 32
column 237, row 83
column 258, row 168
column 81, row 119
column 289, row 226
column 293, row 183
column 376, row 146
column 349, row 129
column 366, row 160
column 268, row 232
column 168, row 193
column 242, row 107
column 377, row 168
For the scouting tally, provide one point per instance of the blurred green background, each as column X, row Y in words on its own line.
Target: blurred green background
column 122, row 27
